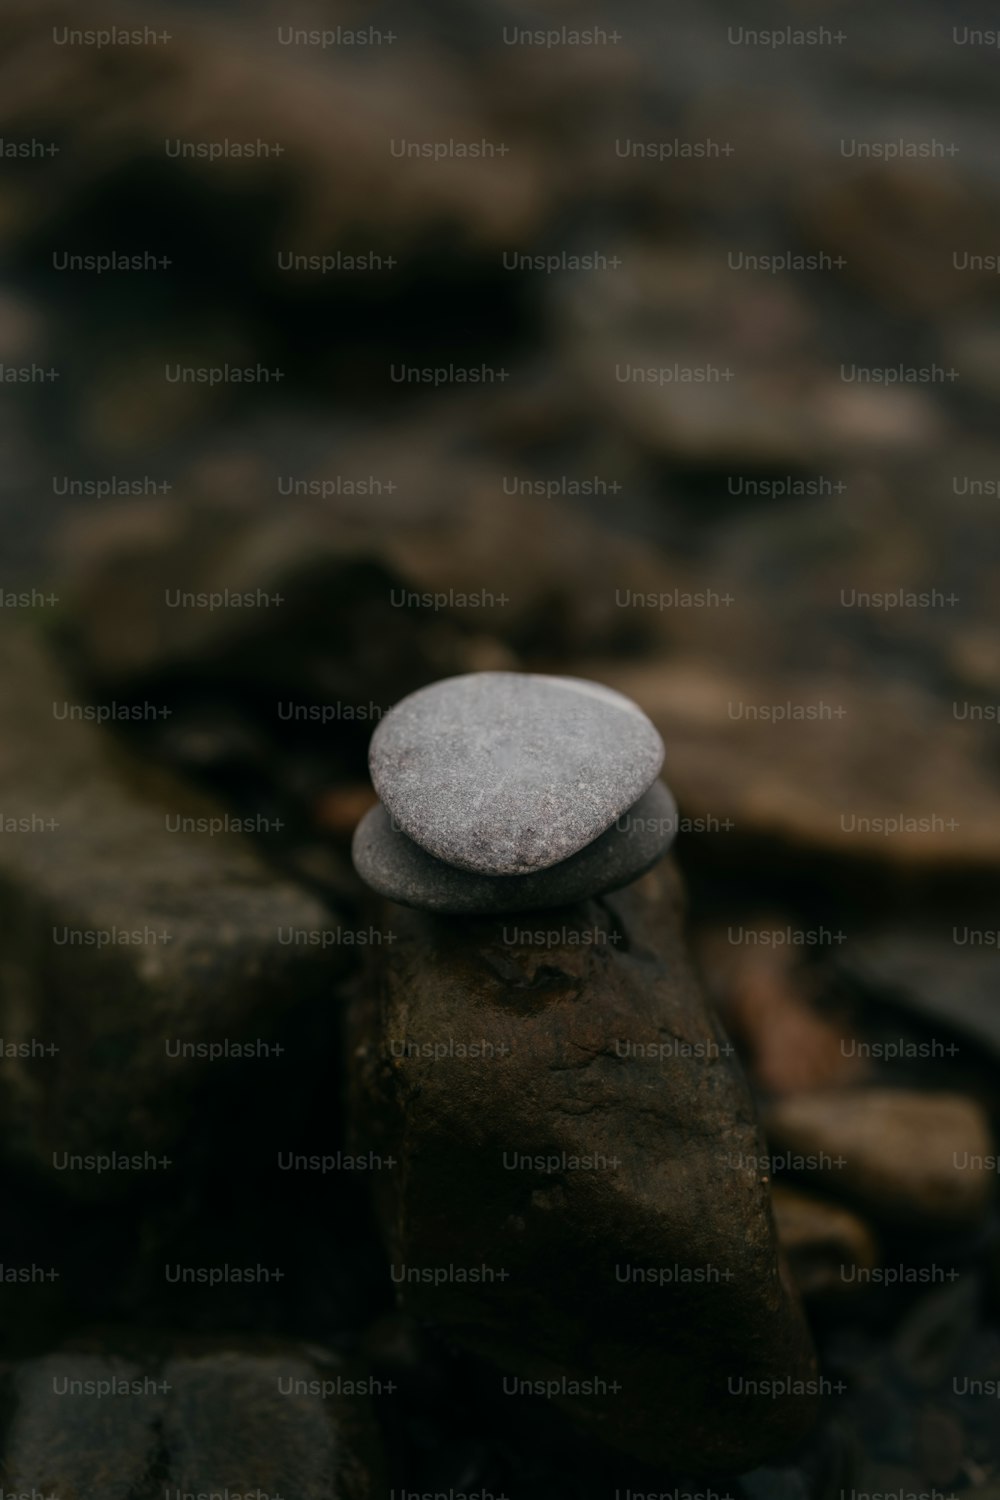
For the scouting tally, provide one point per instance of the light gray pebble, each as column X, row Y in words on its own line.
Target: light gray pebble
column 505, row 773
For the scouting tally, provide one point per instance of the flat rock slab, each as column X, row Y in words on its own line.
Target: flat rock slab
column 149, row 964
column 257, row 1418
column 396, row 867
column 506, row 773
column 581, row 1195
column 907, row 1158
column 791, row 763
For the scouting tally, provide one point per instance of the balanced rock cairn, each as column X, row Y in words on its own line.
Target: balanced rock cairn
column 576, row 1196
column 504, row 791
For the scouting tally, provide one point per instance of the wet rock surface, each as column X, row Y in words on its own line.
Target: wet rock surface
column 567, row 1101
column 113, row 1416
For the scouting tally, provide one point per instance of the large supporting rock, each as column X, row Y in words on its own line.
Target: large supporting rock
column 581, row 1195
column 160, row 987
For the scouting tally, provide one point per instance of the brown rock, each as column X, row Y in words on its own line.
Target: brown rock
column 766, row 997
column 825, row 1244
column 919, row 796
column 579, row 1166
column 906, row 1158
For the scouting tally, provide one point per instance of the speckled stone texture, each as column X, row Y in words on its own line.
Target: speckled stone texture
column 506, row 773
column 396, row 867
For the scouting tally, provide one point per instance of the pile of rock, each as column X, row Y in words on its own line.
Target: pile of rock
column 564, row 1083
column 506, row 791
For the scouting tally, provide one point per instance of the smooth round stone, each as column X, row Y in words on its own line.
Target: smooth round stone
column 398, row 868
column 505, row 773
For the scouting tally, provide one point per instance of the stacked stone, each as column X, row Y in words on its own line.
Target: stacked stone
column 569, row 1155
column 508, row 791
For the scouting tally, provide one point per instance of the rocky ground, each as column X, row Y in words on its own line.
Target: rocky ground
column 240, row 1095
